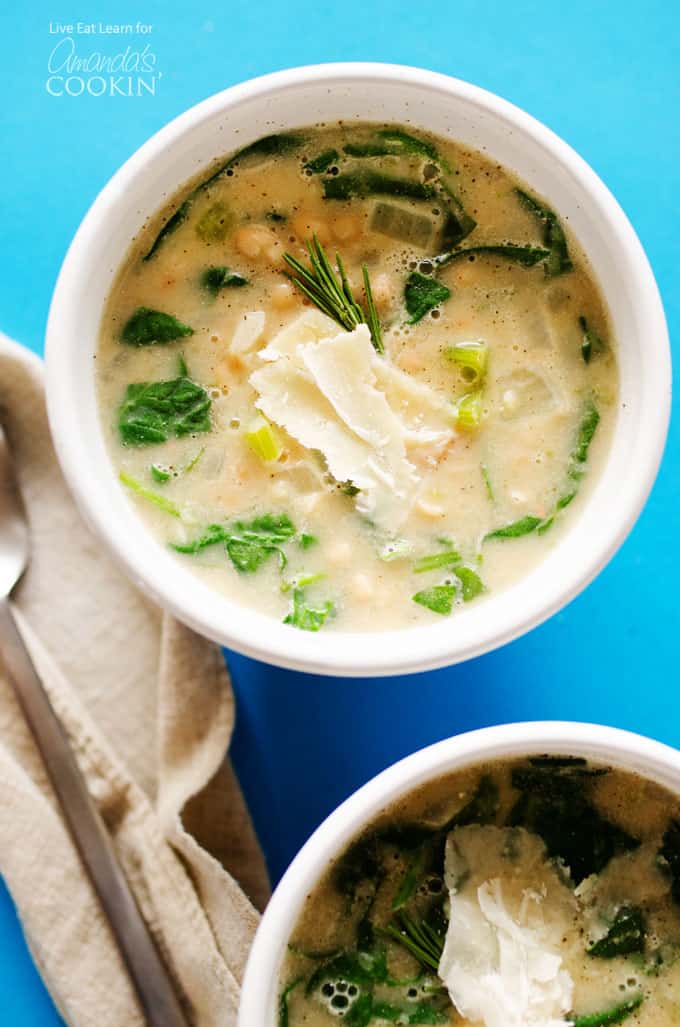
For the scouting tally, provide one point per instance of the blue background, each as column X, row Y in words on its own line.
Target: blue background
column 605, row 77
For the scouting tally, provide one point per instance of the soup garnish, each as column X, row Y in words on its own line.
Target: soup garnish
column 534, row 893
column 377, row 337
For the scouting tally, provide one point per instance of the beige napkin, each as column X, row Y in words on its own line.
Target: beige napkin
column 149, row 710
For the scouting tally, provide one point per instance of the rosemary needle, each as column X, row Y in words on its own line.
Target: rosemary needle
column 331, row 292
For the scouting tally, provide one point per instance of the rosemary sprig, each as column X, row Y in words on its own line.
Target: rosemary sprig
column 331, row 292
column 419, row 938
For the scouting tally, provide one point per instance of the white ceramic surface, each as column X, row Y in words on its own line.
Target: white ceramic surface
column 446, row 106
column 606, row 745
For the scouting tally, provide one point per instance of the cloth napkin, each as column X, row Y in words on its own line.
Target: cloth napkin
column 149, row 712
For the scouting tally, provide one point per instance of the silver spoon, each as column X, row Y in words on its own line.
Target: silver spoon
column 147, row 972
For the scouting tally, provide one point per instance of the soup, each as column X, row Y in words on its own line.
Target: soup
column 532, row 893
column 355, row 376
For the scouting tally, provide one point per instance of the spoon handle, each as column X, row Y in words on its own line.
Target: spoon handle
column 149, row 976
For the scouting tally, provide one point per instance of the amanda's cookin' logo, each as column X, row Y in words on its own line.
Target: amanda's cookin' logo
column 76, row 70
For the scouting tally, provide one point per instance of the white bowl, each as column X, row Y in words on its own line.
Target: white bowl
column 610, row 746
column 443, row 105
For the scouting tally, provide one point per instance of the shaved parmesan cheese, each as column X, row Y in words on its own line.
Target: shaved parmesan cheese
column 248, row 332
column 308, row 327
column 332, row 392
column 502, row 960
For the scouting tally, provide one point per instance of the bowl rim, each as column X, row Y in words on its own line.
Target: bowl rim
column 622, row 749
column 255, row 634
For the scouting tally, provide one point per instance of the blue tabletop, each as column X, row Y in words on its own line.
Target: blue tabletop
column 604, row 76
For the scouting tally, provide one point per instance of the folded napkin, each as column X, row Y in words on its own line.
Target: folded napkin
column 149, row 711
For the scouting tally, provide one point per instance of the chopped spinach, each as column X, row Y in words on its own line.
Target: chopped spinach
column 420, row 1013
column 608, row 1017
column 481, row 809
column 215, row 224
column 669, row 856
column 306, row 541
column 524, row 526
column 366, row 182
column 406, row 143
column 306, row 617
column 249, row 544
column 554, row 803
column 213, row 534
column 215, row 278
column 375, row 149
column 558, row 261
column 173, row 222
column 182, row 369
column 591, row 343
column 586, row 432
column 268, row 146
column 322, row 162
column 151, row 412
column 526, row 256
column 422, row 294
column 439, row 598
column 471, row 583
column 626, row 935
column 146, row 327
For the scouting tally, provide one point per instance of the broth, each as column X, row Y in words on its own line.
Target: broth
column 300, row 470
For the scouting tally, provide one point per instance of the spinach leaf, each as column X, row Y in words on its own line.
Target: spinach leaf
column 361, row 1013
column 609, row 1017
column 322, row 162
column 586, row 433
column 215, row 278
column 283, row 1001
column 305, row 617
column 524, row 526
column 374, row 183
column 404, row 142
column 173, row 222
column 471, row 583
column 153, row 411
column 554, row 803
column 306, row 541
column 481, row 809
column 269, row 146
column 422, row 294
column 146, row 327
column 215, row 533
column 558, row 261
column 591, row 343
column 669, row 856
column 421, row 1013
column 526, row 256
column 375, row 149
column 215, row 224
column 625, row 936
column 151, row 497
column 249, row 544
column 439, row 598
column 436, row 560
